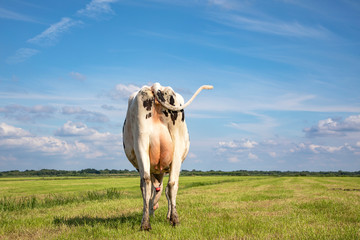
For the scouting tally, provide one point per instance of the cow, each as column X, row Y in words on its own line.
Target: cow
column 156, row 142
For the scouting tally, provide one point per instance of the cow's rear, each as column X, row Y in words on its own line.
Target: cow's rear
column 156, row 141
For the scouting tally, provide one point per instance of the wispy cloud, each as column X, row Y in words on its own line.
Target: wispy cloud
column 21, row 55
column 27, row 114
column 122, row 91
column 7, row 14
column 226, row 4
column 83, row 114
column 44, row 97
column 110, row 107
column 51, row 35
column 77, row 76
column 263, row 123
column 275, row 27
column 279, row 102
column 97, row 8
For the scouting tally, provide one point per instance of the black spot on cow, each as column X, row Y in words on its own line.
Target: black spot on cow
column 160, row 96
column 124, row 125
column 172, row 101
column 123, row 132
column 166, row 113
column 148, row 115
column 173, row 115
column 183, row 115
column 148, row 104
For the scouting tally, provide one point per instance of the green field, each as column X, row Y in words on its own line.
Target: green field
column 209, row 208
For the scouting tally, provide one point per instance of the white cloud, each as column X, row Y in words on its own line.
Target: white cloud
column 297, row 147
column 122, row 91
column 75, row 129
column 80, row 143
column 21, row 55
column 236, row 150
column 17, row 138
column 51, row 34
column 289, row 154
column 318, row 148
column 8, row 131
column 83, row 132
column 243, row 144
column 334, row 127
column 45, row 145
column 229, row 144
column 100, row 144
column 96, row 8
column 249, row 144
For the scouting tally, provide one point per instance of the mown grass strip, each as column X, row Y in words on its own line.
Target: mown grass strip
column 215, row 182
column 31, row 202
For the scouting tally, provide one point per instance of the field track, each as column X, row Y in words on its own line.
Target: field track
column 218, row 207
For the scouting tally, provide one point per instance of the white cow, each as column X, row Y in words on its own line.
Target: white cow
column 156, row 141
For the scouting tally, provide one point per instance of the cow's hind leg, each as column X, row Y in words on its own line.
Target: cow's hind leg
column 171, row 192
column 145, row 181
column 146, row 193
column 157, row 180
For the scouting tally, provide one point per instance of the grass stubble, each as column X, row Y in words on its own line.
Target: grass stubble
column 218, row 207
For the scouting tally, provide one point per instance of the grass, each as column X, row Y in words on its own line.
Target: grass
column 209, row 208
column 31, row 202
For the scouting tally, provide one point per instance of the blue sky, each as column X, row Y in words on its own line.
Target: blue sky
column 285, row 76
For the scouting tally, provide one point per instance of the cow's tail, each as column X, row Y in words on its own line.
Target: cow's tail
column 156, row 88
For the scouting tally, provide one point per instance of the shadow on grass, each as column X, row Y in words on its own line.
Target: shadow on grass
column 132, row 220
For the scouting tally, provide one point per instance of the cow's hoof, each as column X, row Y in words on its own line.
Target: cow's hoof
column 145, row 226
column 174, row 220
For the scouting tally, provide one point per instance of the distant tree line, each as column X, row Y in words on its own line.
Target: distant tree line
column 53, row 172
column 268, row 173
column 126, row 172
